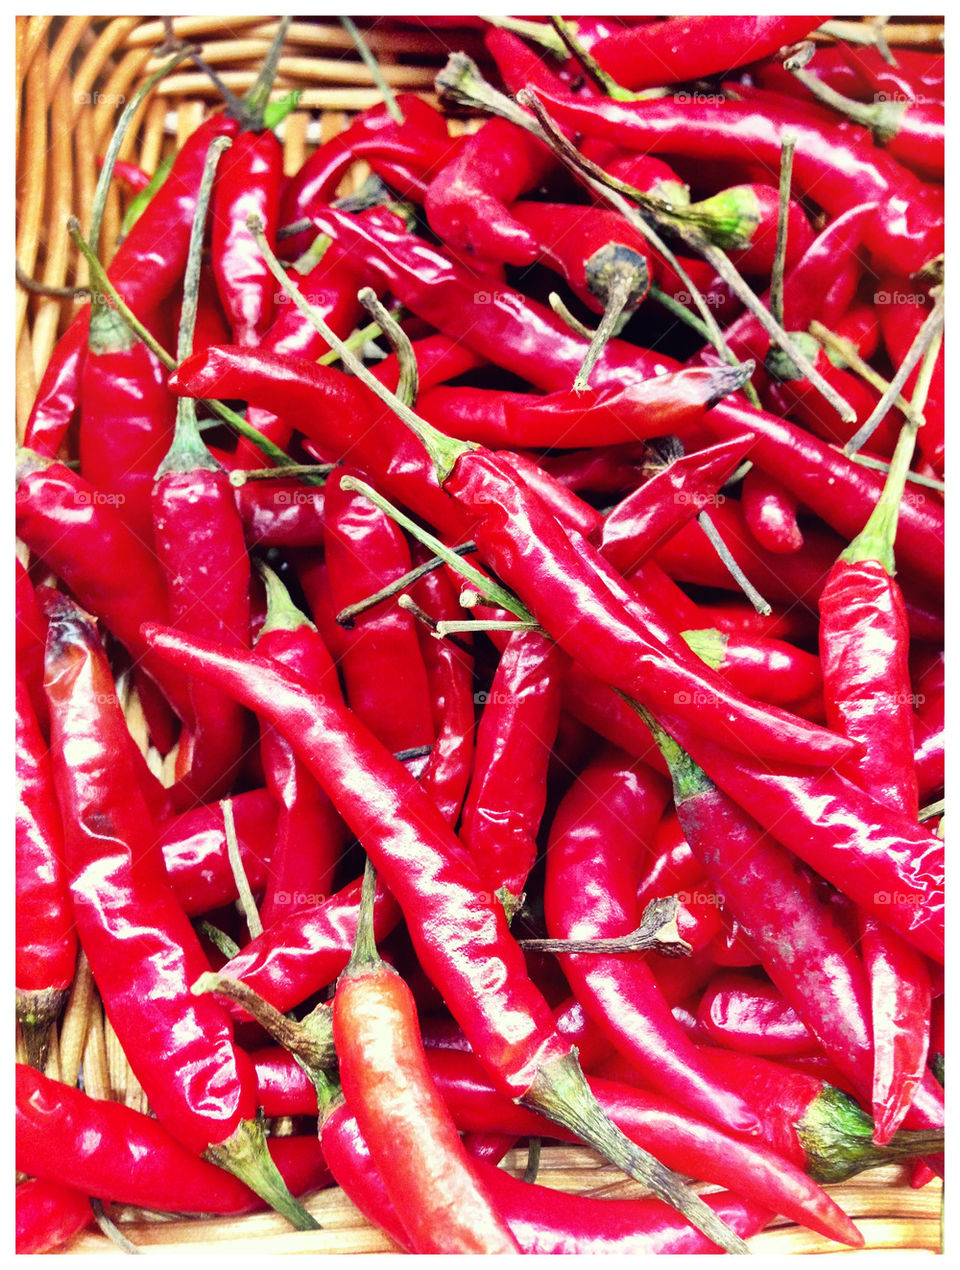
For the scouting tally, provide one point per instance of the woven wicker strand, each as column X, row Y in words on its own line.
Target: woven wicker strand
column 72, row 76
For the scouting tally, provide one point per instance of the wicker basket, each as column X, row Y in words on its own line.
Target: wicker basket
column 71, row 74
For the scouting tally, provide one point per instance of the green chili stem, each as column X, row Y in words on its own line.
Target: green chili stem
column 355, row 341
column 589, row 63
column 848, row 352
column 240, row 476
column 258, row 94
column 564, row 314
column 408, row 384
column 741, row 579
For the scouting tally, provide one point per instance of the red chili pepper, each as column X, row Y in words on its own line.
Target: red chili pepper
column 608, row 469
column 861, row 326
column 542, row 1220
column 770, row 512
column 200, row 547
column 85, row 541
column 589, row 855
column 384, row 674
column 109, row 1150
column 126, row 418
column 49, row 1215
column 408, row 152
column 771, row 669
column 743, row 221
column 751, row 1016
column 673, row 495
column 882, row 859
column 839, row 169
column 248, row 182
column 438, row 359
column 467, row 201
column 793, row 624
column 864, row 647
column 200, row 1086
column 446, row 774
column 861, row 72
column 604, row 416
column 310, row 835
column 279, row 513
column 508, row 789
column 194, row 847
column 145, row 270
column 431, row 1180
column 46, row 943
column 691, row 48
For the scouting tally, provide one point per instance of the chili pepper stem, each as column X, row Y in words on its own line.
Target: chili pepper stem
column 255, row 99
column 788, row 146
column 346, row 616
column 561, row 1093
column 364, row 955
column 245, row 1155
column 386, row 92
column 738, row 575
column 837, row 1139
column 628, row 285
column 657, row 931
column 606, row 83
column 282, row 613
column 36, row 1014
column 409, row 380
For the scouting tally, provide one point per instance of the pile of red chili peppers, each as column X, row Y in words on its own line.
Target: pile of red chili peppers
column 324, row 558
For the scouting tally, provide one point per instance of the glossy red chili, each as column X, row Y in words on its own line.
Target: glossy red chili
column 508, row 789
column 770, row 512
column 109, row 1150
column 430, row 1178
column 672, row 495
column 384, row 675
column 310, row 836
column 49, row 1215
column 749, row 1015
column 771, row 669
column 691, row 48
column 46, row 941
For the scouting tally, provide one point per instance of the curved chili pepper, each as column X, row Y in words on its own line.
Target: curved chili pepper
column 597, row 416
column 384, row 674
column 85, row 541
column 248, row 182
column 770, row 512
column 127, row 415
column 310, row 835
column 446, row 773
column 609, row 469
column 836, row 168
column 793, row 624
column 413, row 1141
column 459, row 933
column 194, row 846
column 691, row 48
column 200, row 1086
column 201, row 549
column 673, row 495
column 772, row 669
column 49, row 1215
column 928, row 756
column 508, row 789
column 591, row 854
column 147, row 267
column 750, row 1016
column 543, row 1221
column 115, row 1153
column 46, row 942
column 861, row 73
column 467, row 201
column 438, row 359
